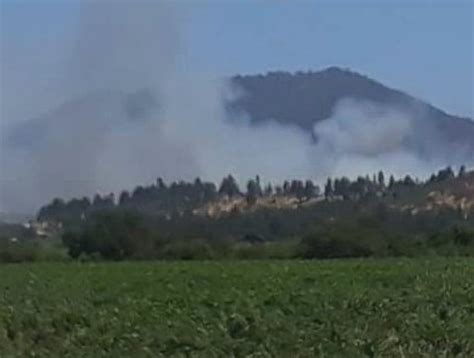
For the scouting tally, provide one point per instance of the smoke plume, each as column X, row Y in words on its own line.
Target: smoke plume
column 363, row 137
column 125, row 108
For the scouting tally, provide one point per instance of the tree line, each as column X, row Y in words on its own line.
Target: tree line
column 352, row 218
column 166, row 199
column 331, row 230
column 183, row 197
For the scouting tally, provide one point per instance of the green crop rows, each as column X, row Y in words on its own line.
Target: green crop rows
column 390, row 308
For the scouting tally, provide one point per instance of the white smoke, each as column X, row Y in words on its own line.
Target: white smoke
column 137, row 112
column 363, row 137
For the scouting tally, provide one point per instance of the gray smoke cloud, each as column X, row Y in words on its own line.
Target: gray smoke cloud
column 125, row 109
column 364, row 137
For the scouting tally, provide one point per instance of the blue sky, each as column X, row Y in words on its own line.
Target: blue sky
column 422, row 47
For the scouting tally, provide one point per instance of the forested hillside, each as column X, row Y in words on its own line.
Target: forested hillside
column 371, row 215
column 305, row 98
column 198, row 198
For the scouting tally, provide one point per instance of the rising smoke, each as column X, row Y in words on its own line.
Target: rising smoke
column 135, row 112
column 363, row 137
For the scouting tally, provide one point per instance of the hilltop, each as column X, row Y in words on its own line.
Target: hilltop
column 304, row 98
column 456, row 193
column 296, row 99
column 121, row 128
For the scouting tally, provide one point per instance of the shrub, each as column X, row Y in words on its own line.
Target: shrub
column 463, row 237
column 16, row 252
column 114, row 235
column 344, row 239
column 193, row 249
column 249, row 252
column 331, row 245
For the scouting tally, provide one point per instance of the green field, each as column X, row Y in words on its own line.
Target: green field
column 384, row 308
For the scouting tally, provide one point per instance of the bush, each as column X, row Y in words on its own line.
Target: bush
column 249, row 252
column 114, row 235
column 269, row 250
column 456, row 241
column 194, row 249
column 463, row 237
column 331, row 246
column 16, row 252
column 406, row 246
column 344, row 239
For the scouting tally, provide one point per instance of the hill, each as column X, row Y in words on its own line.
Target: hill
column 301, row 99
column 183, row 200
column 76, row 138
column 453, row 193
column 368, row 216
column 305, row 98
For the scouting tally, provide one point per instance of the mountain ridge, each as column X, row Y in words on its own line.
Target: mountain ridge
column 290, row 98
column 347, row 82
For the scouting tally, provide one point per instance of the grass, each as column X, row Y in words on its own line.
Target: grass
column 353, row 308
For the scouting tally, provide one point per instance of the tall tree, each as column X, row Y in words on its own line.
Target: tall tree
column 229, row 187
column 160, row 183
column 252, row 192
column 328, row 188
column 309, row 189
column 258, row 186
column 391, row 182
column 124, row 198
column 381, row 179
column 268, row 190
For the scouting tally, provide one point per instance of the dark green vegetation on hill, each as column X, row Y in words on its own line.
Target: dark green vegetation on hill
column 179, row 199
column 359, row 218
column 296, row 99
column 305, row 98
column 352, row 308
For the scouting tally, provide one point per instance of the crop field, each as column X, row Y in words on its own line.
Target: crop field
column 353, row 308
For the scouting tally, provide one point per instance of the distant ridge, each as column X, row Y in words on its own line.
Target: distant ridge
column 304, row 98
column 300, row 98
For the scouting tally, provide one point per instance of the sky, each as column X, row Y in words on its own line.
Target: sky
column 422, row 47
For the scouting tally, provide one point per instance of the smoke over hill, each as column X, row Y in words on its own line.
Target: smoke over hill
column 134, row 112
